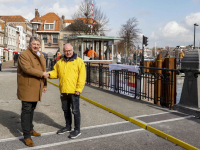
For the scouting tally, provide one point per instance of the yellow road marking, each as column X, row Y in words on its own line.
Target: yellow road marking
column 140, row 124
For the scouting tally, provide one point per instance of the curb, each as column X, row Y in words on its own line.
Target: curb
column 140, row 124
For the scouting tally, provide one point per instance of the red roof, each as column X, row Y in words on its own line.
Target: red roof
column 49, row 18
column 17, row 18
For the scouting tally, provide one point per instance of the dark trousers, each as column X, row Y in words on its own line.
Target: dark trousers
column 27, row 117
column 73, row 101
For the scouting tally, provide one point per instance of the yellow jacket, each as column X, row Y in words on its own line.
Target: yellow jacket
column 71, row 74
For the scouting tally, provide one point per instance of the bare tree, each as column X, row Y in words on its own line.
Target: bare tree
column 85, row 13
column 78, row 27
column 130, row 33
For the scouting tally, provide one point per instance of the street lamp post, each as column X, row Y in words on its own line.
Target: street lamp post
column 194, row 33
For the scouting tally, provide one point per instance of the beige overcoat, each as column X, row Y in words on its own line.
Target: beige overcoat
column 30, row 81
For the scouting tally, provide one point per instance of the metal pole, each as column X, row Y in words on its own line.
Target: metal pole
column 155, row 49
column 194, row 37
column 143, row 51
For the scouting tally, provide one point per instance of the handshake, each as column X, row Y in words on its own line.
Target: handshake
column 46, row 75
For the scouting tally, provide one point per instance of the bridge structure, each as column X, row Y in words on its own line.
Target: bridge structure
column 110, row 120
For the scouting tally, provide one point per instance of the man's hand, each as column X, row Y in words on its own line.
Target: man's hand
column 45, row 75
column 44, row 90
column 77, row 93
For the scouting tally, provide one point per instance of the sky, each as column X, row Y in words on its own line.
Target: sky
column 164, row 22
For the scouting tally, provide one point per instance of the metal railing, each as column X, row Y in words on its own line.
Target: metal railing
column 157, row 85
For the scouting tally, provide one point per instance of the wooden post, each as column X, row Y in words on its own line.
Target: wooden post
column 170, row 63
column 157, row 86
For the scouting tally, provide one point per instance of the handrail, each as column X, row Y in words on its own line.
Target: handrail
column 165, row 69
column 196, row 74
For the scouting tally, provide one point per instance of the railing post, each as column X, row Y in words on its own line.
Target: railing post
column 135, row 74
column 88, row 73
column 100, row 74
column 158, row 81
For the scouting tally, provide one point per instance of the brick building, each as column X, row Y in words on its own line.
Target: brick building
column 48, row 27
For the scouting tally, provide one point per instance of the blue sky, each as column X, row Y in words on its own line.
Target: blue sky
column 164, row 22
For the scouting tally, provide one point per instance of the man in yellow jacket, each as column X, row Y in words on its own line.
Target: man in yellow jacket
column 72, row 75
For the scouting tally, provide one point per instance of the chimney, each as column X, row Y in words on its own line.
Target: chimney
column 63, row 17
column 37, row 13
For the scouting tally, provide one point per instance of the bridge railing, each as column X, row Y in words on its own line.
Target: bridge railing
column 156, row 85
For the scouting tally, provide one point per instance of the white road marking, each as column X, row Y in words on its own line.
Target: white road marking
column 51, row 133
column 169, row 120
column 155, row 114
column 104, row 125
column 80, row 140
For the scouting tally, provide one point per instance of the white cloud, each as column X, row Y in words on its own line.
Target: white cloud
column 153, row 35
column 104, row 4
column 59, row 10
column 28, row 12
column 173, row 30
column 12, row 1
column 5, row 10
column 171, row 34
column 192, row 19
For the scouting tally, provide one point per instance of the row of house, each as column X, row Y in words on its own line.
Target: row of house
column 15, row 33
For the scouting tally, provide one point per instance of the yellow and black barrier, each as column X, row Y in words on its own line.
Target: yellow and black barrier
column 140, row 124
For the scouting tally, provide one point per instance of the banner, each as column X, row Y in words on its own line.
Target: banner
column 123, row 79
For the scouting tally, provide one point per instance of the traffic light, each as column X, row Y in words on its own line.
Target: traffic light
column 145, row 40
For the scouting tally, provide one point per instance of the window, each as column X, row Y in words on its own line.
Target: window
column 65, row 36
column 55, row 38
column 46, row 27
column 49, row 26
column 44, row 37
column 35, row 35
column 34, row 26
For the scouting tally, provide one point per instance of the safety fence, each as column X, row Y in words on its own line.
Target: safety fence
column 156, row 85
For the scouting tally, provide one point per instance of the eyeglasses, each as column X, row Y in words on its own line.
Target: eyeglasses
column 67, row 51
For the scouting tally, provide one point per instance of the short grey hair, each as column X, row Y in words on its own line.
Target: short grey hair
column 66, row 44
column 34, row 38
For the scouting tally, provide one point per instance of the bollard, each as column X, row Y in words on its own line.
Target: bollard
column 190, row 96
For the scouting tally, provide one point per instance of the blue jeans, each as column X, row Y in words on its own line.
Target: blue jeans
column 72, row 100
column 27, row 117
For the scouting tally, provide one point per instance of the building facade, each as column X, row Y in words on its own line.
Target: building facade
column 48, row 28
column 11, row 40
column 20, row 21
column 2, row 24
column 22, row 38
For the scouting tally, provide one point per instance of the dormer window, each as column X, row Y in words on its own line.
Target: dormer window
column 49, row 26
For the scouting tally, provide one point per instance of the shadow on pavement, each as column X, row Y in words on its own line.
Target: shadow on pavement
column 41, row 118
column 10, row 70
column 119, row 95
column 12, row 121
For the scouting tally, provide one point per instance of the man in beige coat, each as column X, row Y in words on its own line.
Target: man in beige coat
column 31, row 82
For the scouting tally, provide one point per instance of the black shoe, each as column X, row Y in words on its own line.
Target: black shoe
column 63, row 130
column 74, row 134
